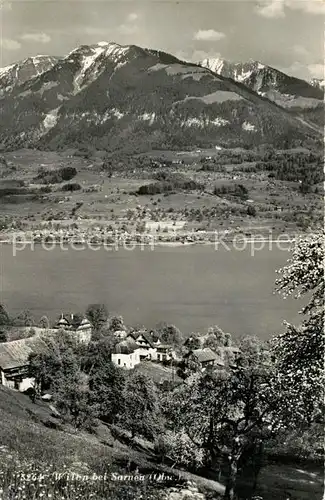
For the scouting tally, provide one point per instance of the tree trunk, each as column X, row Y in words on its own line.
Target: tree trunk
column 231, row 480
column 258, row 463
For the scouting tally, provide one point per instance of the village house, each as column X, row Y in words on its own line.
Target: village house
column 80, row 328
column 146, row 347
column 120, row 334
column 165, row 352
column 204, row 358
column 14, row 362
column 126, row 354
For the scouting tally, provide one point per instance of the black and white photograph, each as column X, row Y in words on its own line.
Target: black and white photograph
column 162, row 250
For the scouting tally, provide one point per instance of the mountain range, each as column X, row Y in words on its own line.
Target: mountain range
column 318, row 83
column 302, row 98
column 20, row 72
column 126, row 97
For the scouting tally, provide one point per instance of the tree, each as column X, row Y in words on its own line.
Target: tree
column 56, row 368
column 251, row 211
column 169, row 334
column 225, row 412
column 116, row 323
column 24, row 318
column 106, row 381
column 300, row 350
column 142, row 413
column 73, row 400
column 4, row 316
column 193, row 342
column 44, row 322
column 178, row 447
column 53, row 361
column 217, row 339
column 97, row 315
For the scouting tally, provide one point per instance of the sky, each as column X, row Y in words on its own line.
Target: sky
column 285, row 34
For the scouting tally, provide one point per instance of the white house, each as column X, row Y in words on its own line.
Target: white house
column 126, row 354
column 146, row 347
column 165, row 352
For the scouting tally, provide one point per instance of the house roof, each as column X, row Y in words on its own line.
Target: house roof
column 127, row 346
column 73, row 322
column 145, row 335
column 206, row 354
column 15, row 354
column 84, row 325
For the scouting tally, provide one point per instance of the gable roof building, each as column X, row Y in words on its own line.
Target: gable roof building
column 81, row 328
column 14, row 362
column 15, row 354
column 205, row 357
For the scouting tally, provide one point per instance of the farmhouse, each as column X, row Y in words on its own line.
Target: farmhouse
column 165, row 352
column 205, row 358
column 126, row 354
column 14, row 362
column 81, row 328
column 146, row 347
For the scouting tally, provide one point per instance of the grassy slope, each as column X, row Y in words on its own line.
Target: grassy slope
column 23, row 431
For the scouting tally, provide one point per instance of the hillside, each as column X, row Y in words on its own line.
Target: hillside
column 293, row 94
column 125, row 97
column 34, row 441
column 22, row 71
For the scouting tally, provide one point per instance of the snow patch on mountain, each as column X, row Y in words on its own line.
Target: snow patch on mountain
column 117, row 114
column 47, row 86
column 318, row 83
column 219, row 122
column 194, row 122
column 215, row 64
column 86, row 63
column 50, row 120
column 6, row 69
column 249, row 127
column 115, row 52
column 241, row 77
column 91, row 58
column 204, row 122
column 148, row 117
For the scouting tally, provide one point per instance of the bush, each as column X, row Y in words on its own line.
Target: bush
column 251, row 211
column 168, row 186
column 57, row 176
column 67, row 173
column 73, row 186
column 235, row 190
column 178, row 447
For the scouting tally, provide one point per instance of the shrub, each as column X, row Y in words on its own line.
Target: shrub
column 73, row 186
column 251, row 211
column 56, row 176
column 177, row 446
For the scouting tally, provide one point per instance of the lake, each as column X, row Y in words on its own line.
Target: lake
column 192, row 287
